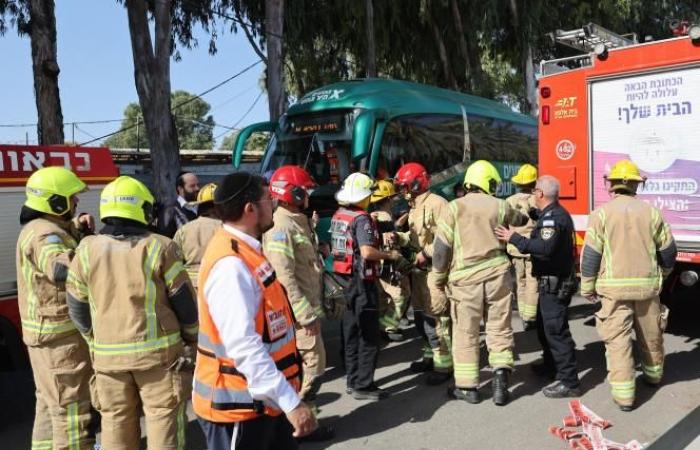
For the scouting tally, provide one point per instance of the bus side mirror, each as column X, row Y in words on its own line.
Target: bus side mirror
column 363, row 131
column 243, row 136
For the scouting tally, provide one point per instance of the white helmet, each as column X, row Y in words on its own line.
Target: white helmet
column 356, row 187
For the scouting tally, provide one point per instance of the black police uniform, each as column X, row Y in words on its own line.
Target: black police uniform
column 551, row 247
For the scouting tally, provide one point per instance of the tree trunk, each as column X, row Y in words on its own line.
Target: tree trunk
column 371, row 50
column 152, row 76
column 530, row 105
column 274, row 26
column 46, row 70
column 457, row 16
column 442, row 51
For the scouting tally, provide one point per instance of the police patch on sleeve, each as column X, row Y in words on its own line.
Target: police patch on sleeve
column 547, row 233
column 53, row 239
column 279, row 236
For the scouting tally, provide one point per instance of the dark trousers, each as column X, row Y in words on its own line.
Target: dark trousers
column 262, row 433
column 361, row 333
column 559, row 349
column 425, row 325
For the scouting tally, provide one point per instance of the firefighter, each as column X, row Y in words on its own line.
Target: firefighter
column 394, row 287
column 356, row 254
column 551, row 244
column 194, row 236
column 130, row 296
column 59, row 355
column 431, row 311
column 247, row 374
column 290, row 246
column 524, row 201
column 627, row 252
column 471, row 267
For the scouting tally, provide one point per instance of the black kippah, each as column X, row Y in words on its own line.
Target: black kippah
column 231, row 186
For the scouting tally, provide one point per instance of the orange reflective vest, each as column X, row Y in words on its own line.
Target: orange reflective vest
column 220, row 390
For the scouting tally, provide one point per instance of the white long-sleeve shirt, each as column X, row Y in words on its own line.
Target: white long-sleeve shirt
column 233, row 297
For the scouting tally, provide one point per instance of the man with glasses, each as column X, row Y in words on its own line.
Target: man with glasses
column 551, row 246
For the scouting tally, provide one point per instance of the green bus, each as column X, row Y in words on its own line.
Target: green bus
column 376, row 125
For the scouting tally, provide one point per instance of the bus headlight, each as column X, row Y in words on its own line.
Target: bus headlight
column 689, row 278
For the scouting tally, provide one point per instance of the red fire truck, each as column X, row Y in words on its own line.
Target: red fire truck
column 627, row 100
column 92, row 165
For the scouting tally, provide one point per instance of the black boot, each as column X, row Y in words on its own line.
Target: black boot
column 437, row 378
column 424, row 365
column 500, row 387
column 468, row 395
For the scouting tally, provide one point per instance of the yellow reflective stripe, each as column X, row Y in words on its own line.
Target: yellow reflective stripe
column 48, row 327
column 42, row 445
column 152, row 253
column 388, row 322
column 319, row 311
column 622, row 389
column 73, row 427
column 85, row 263
column 528, row 311
column 607, row 253
column 445, row 229
column 78, row 284
column 654, row 372
column 181, row 426
column 588, row 284
column 27, row 274
column 468, row 270
column 300, row 305
column 136, row 347
column 501, row 212
column 628, row 282
column 301, row 239
column 47, row 251
column 504, row 358
column 466, row 370
column 442, row 361
column 597, row 241
column 427, row 352
column 173, row 272
column 191, row 329
column 278, row 247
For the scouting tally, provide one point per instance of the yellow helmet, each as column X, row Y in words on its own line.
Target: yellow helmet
column 49, row 190
column 484, row 175
column 385, row 189
column 206, row 194
column 356, row 188
column 126, row 198
column 625, row 170
column 527, row 174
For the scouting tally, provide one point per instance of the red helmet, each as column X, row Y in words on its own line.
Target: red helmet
column 413, row 178
column 289, row 184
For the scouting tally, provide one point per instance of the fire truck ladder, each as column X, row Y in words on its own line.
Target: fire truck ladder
column 591, row 38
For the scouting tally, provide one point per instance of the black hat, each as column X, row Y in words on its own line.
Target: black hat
column 232, row 185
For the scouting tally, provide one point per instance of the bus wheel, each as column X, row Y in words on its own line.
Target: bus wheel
column 13, row 355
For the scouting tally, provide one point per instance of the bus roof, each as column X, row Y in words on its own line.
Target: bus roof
column 402, row 97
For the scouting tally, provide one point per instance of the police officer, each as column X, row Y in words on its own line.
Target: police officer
column 551, row 247
column 356, row 254
column 627, row 252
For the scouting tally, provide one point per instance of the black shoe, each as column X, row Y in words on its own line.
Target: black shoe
column 372, row 393
column 560, row 390
column 322, row 433
column 422, row 366
column 348, row 389
column 468, row 395
column 500, row 387
column 393, row 336
column 625, row 408
column 543, row 370
column 529, row 325
column 436, row 378
column 650, row 383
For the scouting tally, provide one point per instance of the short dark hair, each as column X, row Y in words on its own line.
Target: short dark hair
column 180, row 180
column 235, row 191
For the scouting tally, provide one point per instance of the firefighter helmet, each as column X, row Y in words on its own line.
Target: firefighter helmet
column 413, row 178
column 385, row 189
column 49, row 190
column 624, row 175
column 127, row 198
column 527, row 174
column 206, row 194
column 290, row 184
column 356, row 188
column 483, row 175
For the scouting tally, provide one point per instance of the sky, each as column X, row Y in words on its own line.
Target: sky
column 97, row 82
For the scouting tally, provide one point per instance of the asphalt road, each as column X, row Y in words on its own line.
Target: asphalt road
column 417, row 416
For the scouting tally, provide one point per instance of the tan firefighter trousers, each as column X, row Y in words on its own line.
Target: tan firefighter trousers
column 163, row 394
column 313, row 356
column 440, row 345
column 393, row 302
column 62, row 372
column 527, row 289
column 470, row 303
column 616, row 321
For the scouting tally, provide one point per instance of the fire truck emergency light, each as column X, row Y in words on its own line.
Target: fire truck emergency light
column 545, row 92
column 601, row 51
column 545, row 114
column 694, row 33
